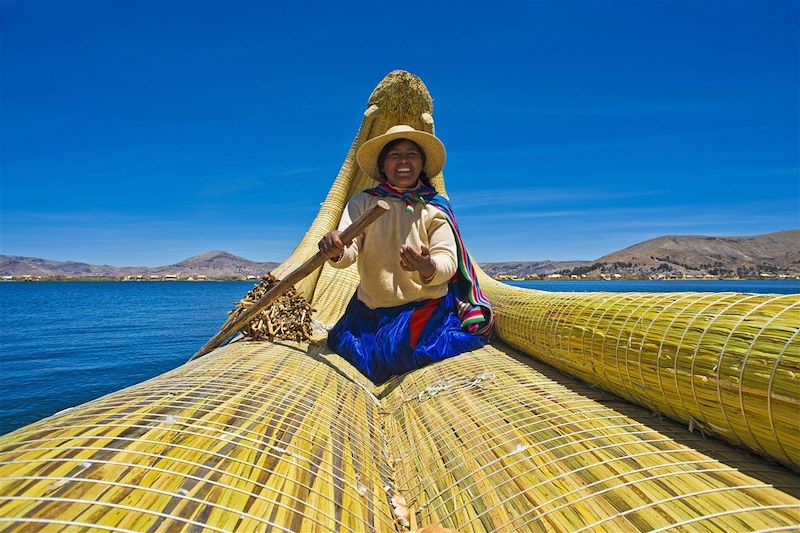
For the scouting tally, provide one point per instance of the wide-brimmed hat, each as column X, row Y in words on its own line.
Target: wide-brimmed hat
column 435, row 155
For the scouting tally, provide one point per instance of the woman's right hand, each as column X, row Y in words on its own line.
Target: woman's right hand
column 331, row 245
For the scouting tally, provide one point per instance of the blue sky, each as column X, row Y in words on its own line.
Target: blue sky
column 143, row 132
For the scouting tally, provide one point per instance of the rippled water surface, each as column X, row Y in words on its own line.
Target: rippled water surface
column 64, row 343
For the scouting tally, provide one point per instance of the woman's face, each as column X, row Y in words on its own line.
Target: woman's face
column 403, row 165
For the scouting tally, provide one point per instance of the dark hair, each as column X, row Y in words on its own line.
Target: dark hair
column 388, row 147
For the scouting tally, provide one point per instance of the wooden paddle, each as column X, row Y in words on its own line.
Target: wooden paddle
column 348, row 235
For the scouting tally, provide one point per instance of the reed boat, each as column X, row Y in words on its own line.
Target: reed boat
column 588, row 412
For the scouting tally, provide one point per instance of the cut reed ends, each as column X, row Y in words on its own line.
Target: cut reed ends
column 288, row 318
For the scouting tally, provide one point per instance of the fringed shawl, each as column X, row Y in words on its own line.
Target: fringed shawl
column 474, row 310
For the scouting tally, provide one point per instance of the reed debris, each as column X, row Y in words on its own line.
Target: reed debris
column 288, row 318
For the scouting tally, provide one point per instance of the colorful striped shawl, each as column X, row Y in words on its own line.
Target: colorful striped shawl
column 474, row 310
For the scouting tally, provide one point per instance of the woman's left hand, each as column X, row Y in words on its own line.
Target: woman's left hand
column 412, row 260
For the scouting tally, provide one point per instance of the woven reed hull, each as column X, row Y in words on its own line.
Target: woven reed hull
column 287, row 436
column 727, row 364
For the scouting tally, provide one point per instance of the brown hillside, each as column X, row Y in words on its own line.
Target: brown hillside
column 214, row 264
column 771, row 252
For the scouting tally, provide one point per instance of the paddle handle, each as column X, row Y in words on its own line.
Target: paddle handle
column 348, row 236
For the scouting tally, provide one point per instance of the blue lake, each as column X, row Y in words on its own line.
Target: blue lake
column 64, row 343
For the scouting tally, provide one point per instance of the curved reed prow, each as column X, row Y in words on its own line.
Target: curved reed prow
column 400, row 98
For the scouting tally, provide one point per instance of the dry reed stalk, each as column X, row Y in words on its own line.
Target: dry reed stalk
column 288, row 318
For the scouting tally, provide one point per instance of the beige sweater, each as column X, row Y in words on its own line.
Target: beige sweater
column 383, row 282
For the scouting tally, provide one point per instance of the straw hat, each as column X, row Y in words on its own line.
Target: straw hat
column 367, row 155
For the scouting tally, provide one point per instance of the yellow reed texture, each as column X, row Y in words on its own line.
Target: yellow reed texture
column 289, row 437
column 251, row 437
column 723, row 363
column 490, row 441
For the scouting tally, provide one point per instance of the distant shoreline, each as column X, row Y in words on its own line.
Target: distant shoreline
column 255, row 280
column 768, row 256
column 44, row 279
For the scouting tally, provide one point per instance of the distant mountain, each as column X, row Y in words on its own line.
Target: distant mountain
column 772, row 254
column 217, row 264
column 12, row 265
column 769, row 254
column 214, row 264
column 529, row 268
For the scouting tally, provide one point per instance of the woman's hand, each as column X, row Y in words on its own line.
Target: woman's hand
column 331, row 245
column 412, row 260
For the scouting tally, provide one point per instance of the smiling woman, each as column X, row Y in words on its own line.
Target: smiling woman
column 417, row 301
column 401, row 162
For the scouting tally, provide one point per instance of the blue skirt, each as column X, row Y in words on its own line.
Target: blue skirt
column 389, row 341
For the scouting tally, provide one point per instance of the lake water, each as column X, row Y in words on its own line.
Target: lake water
column 64, row 343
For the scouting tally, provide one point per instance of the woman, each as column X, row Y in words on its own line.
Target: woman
column 418, row 300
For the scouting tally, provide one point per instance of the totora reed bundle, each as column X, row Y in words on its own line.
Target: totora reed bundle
column 725, row 364
column 288, row 318
column 269, row 437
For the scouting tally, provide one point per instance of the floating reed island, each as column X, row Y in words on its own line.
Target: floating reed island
column 677, row 412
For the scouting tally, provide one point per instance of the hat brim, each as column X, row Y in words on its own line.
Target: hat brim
column 435, row 154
